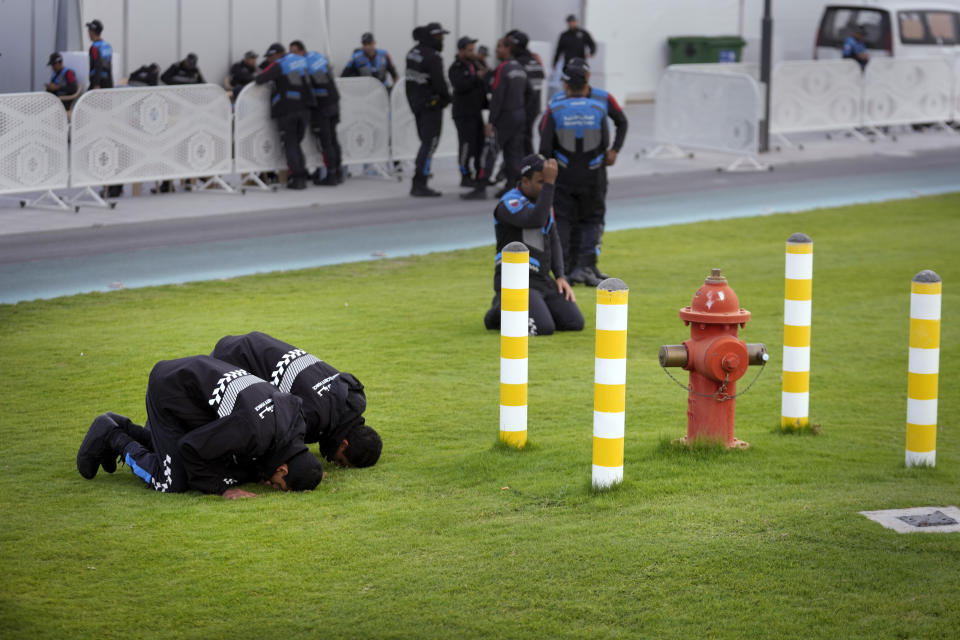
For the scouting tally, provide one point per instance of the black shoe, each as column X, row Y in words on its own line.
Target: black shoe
column 478, row 193
column 135, row 431
column 583, row 276
column 95, row 450
column 297, row 183
column 115, row 191
column 340, row 178
column 467, row 181
column 423, row 191
column 330, row 180
column 315, row 177
column 598, row 273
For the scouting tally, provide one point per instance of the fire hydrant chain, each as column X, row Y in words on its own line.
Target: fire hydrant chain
column 721, row 394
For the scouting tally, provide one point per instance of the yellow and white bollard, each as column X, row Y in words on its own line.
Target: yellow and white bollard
column 609, row 383
column 514, row 328
column 797, row 305
column 923, row 369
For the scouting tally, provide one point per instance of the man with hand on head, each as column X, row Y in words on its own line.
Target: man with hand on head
column 211, row 426
column 525, row 214
column 333, row 401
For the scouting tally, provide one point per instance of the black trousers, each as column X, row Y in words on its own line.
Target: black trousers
column 292, row 128
column 324, row 130
column 160, row 465
column 509, row 140
column 470, row 136
column 580, row 213
column 429, row 124
column 549, row 311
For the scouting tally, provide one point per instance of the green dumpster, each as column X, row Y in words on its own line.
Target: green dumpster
column 690, row 49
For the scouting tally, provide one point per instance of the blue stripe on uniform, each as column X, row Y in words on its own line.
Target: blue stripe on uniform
column 137, row 469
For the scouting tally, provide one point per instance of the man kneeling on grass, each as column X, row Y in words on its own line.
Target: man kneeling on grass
column 333, row 401
column 525, row 214
column 210, row 426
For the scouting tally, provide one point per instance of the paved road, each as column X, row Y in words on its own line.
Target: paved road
column 63, row 262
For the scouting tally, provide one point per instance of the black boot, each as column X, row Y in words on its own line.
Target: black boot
column 584, row 276
column 598, row 273
column 467, row 181
column 315, row 176
column 423, row 191
column 340, row 178
column 104, row 441
column 297, row 183
column 330, row 180
column 135, row 431
column 479, row 193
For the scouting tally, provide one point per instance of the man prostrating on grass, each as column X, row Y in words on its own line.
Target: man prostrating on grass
column 333, row 401
column 210, row 426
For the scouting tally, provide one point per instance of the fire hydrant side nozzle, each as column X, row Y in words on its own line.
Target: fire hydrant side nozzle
column 715, row 357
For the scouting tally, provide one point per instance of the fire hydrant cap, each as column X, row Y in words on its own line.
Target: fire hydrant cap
column 715, row 303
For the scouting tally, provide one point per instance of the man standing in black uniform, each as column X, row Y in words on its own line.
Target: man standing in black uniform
column 63, row 81
column 573, row 42
column 507, row 117
column 101, row 57
column 183, row 72
column 211, row 426
column 243, row 72
column 574, row 130
column 427, row 94
column 333, row 401
column 525, row 214
column 291, row 98
column 533, row 66
column 469, row 99
column 324, row 115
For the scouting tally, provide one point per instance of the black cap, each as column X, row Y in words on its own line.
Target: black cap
column 191, row 59
column 575, row 69
column 95, row 25
column 276, row 47
column 465, row 41
column 434, row 29
column 304, row 471
column 571, row 18
column 367, row 38
column 519, row 38
column 482, row 50
column 531, row 164
column 251, row 54
column 54, row 59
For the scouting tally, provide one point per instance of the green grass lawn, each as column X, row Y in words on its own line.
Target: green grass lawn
column 451, row 536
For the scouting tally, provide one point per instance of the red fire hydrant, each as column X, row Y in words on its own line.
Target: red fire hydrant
column 715, row 357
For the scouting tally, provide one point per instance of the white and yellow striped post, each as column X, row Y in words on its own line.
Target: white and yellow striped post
column 797, row 305
column 923, row 369
column 514, row 328
column 609, row 383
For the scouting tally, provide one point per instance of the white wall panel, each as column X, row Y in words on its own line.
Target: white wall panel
column 205, row 32
column 44, row 39
column 153, row 35
column 15, row 70
column 481, row 21
column 349, row 19
column 393, row 23
column 305, row 20
column 444, row 12
column 255, row 26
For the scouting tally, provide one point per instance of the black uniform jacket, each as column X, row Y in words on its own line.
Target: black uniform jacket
column 469, row 89
column 179, row 73
column 425, row 84
column 333, row 401
column 229, row 423
column 518, row 219
column 509, row 88
column 574, row 44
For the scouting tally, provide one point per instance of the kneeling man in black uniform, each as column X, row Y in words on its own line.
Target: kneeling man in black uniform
column 210, row 426
column 525, row 214
column 333, row 401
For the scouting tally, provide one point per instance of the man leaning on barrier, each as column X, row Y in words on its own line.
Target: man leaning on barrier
column 324, row 115
column 63, row 81
column 210, row 427
column 525, row 214
column 855, row 49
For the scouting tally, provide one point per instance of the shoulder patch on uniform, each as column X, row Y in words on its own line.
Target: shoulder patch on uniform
column 513, row 200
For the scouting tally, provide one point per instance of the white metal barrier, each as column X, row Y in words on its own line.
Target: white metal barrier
column 33, row 145
column 956, row 88
column 404, row 141
column 816, row 96
column 364, row 130
column 149, row 133
column 704, row 110
column 907, row 91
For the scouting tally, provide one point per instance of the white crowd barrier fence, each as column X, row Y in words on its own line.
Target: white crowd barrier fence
column 816, row 96
column 956, row 88
column 404, row 140
column 33, row 143
column 705, row 110
column 150, row 133
column 907, row 91
column 364, row 129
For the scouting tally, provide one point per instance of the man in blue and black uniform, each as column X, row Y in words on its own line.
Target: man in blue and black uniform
column 574, row 131
column 324, row 115
column 291, row 98
column 854, row 48
column 525, row 214
column 210, row 427
column 427, row 95
column 371, row 62
column 333, row 401
column 101, row 57
column 63, row 81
